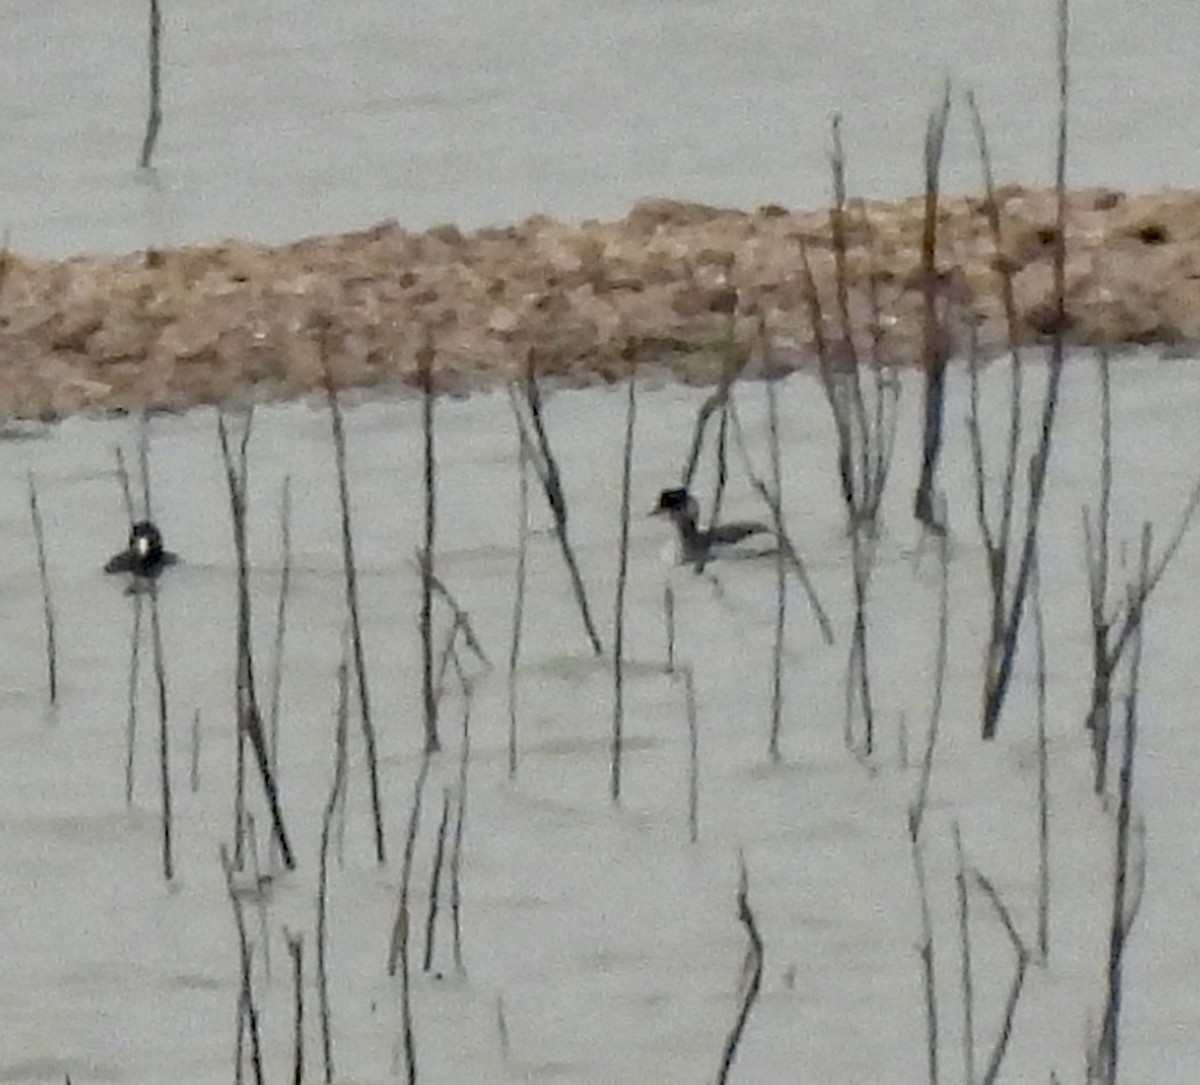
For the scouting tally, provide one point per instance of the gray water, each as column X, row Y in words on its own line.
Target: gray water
column 290, row 118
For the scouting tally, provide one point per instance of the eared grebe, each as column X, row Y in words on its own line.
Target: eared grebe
column 145, row 555
column 696, row 545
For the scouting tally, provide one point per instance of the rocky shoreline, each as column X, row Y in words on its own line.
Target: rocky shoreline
column 667, row 289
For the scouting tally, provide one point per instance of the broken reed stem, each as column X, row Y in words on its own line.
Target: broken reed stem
column 351, row 579
column 435, row 882
column 398, row 957
column 460, row 822
column 285, row 581
column 752, row 971
column 780, row 572
column 336, row 788
column 295, row 946
column 693, row 783
column 154, row 116
column 933, row 346
column 39, row 538
column 462, row 620
column 425, row 356
column 247, row 1009
column 518, row 611
column 1002, row 656
column 1043, row 878
column 249, row 722
column 547, row 468
column 1000, row 1048
column 966, row 979
column 1124, row 904
column 135, row 649
column 618, row 717
column 164, row 760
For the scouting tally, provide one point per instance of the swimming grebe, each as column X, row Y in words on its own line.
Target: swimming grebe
column 697, row 545
column 145, row 555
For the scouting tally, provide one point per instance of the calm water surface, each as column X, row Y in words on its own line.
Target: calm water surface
column 296, row 117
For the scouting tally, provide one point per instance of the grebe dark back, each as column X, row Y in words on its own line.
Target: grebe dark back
column 698, row 545
column 145, row 556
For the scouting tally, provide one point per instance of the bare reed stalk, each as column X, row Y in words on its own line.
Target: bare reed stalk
column 258, row 896
column 1002, row 652
column 966, row 978
column 1043, row 879
column 351, row 577
column 435, row 882
column 934, row 346
column 135, row 648
column 295, row 946
column 285, row 582
column 752, row 971
column 247, row 1008
column 669, row 623
column 398, row 951
column 194, row 773
column 544, row 463
column 336, row 789
column 1000, row 1048
column 250, row 725
column 997, row 535
column 135, row 637
column 734, row 362
column 618, row 717
column 916, row 816
column 425, row 356
column 844, row 394
column 693, row 782
column 774, row 502
column 1112, row 630
column 460, row 821
column 154, row 117
column 1097, row 559
column 164, row 759
column 518, row 612
column 1126, row 899
column 39, row 538
column 780, row 575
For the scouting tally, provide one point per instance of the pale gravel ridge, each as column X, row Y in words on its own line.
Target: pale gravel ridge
column 667, row 290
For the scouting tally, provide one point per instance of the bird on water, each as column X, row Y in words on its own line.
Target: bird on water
column 144, row 556
column 696, row 545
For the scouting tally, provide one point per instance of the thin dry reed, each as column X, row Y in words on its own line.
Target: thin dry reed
column 39, row 538
column 618, row 716
column 350, row 570
column 154, row 113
